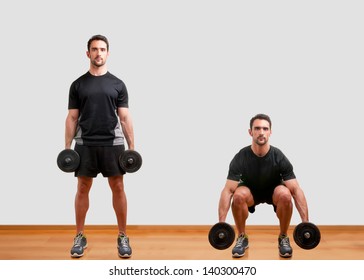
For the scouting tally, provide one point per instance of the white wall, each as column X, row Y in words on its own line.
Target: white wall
column 196, row 72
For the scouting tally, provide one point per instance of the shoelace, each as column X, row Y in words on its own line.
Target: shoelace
column 78, row 240
column 124, row 241
column 240, row 240
column 285, row 242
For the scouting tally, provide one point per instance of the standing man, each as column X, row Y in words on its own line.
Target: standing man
column 260, row 173
column 97, row 101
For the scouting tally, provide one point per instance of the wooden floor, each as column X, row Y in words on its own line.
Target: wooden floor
column 171, row 243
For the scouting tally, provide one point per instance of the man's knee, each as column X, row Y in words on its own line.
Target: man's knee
column 116, row 183
column 84, row 184
column 282, row 195
column 242, row 195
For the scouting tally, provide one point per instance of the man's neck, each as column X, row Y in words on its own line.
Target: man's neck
column 260, row 151
column 98, row 71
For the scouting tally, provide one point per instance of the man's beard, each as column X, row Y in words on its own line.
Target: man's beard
column 98, row 63
column 261, row 143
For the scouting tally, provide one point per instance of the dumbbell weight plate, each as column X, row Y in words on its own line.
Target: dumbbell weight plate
column 130, row 161
column 68, row 160
column 307, row 235
column 221, row 236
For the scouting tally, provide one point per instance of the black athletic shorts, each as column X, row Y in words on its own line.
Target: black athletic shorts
column 259, row 198
column 95, row 160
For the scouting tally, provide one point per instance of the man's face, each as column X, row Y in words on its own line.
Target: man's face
column 98, row 53
column 260, row 132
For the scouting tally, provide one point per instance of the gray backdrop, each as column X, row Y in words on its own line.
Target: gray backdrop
column 196, row 72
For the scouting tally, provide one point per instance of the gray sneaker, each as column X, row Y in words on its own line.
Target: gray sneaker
column 124, row 248
column 285, row 249
column 79, row 245
column 242, row 243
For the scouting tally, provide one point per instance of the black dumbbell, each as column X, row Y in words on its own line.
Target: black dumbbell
column 307, row 235
column 221, row 236
column 130, row 161
column 68, row 160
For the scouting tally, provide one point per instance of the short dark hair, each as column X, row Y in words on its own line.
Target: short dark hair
column 97, row 38
column 260, row 117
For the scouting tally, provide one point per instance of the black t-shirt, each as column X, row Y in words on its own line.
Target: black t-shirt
column 260, row 174
column 97, row 98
